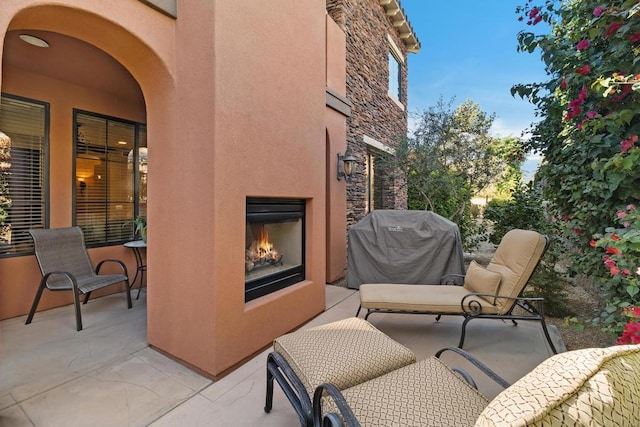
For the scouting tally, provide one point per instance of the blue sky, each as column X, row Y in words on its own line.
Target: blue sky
column 469, row 51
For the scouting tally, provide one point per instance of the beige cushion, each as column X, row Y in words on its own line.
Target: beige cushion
column 515, row 259
column 445, row 299
column 424, row 394
column 345, row 353
column 589, row 387
column 480, row 280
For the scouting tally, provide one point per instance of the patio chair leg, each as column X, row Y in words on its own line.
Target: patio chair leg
column 358, row 312
column 76, row 304
column 514, row 322
column 438, row 317
column 128, row 290
column 36, row 301
column 547, row 336
column 86, row 297
column 464, row 330
column 269, row 400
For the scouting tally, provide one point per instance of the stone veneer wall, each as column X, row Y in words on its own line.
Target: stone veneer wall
column 374, row 113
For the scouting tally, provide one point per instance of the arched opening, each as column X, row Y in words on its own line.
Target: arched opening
column 96, row 83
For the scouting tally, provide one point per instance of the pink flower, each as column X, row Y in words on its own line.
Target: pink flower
column 628, row 143
column 635, row 37
column 533, row 12
column 563, row 84
column 626, row 272
column 592, row 243
column 613, row 251
column 609, row 263
column 621, row 214
column 631, row 207
column 614, row 236
column 613, row 28
column 598, row 11
column 626, row 224
column 583, row 44
column 614, row 271
column 583, row 70
column 630, row 335
column 591, row 114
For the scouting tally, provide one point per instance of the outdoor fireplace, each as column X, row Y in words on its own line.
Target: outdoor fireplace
column 274, row 245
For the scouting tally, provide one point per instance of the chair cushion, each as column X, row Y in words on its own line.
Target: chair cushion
column 480, row 280
column 515, row 258
column 588, row 387
column 345, row 353
column 425, row 394
column 444, row 299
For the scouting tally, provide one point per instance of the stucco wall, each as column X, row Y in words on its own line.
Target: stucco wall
column 251, row 96
column 235, row 107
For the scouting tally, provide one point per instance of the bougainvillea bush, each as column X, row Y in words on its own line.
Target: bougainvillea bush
column 589, row 112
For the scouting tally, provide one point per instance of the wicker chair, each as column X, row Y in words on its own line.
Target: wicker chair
column 65, row 266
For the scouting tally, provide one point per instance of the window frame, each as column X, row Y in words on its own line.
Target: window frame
column 136, row 172
column 45, row 176
column 394, row 53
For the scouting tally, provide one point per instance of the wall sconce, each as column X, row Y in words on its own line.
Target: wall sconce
column 346, row 165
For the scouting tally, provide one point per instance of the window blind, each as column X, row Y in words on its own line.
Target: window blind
column 24, row 172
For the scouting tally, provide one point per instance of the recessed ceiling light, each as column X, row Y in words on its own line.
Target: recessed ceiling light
column 33, row 40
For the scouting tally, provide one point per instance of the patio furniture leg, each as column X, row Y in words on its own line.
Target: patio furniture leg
column 464, row 330
column 128, row 290
column 269, row 399
column 76, row 304
column 36, row 301
column 547, row 336
column 358, row 312
column 86, row 297
column 279, row 369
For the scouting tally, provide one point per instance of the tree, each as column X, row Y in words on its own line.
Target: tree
column 590, row 121
column 449, row 159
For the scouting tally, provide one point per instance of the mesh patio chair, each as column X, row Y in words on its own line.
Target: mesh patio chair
column 494, row 292
column 65, row 266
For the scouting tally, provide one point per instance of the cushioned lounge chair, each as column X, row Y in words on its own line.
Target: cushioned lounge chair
column 588, row 387
column 494, row 292
column 65, row 266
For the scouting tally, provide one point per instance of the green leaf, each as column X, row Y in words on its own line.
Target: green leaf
column 627, row 115
column 632, row 290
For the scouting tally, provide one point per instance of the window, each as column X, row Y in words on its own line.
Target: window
column 23, row 172
column 395, row 71
column 395, row 77
column 111, row 177
column 375, row 182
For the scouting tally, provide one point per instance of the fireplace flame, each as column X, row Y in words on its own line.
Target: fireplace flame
column 263, row 245
column 261, row 252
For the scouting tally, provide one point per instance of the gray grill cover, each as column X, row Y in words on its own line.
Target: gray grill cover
column 398, row 246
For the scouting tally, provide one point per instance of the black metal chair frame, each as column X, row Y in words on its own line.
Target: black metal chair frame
column 280, row 370
column 74, row 287
column 471, row 308
column 332, row 419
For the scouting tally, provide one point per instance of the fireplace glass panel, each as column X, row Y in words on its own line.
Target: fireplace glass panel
column 274, row 245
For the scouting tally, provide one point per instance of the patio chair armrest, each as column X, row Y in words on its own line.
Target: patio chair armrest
column 478, row 364
column 71, row 277
column 450, row 279
column 117, row 261
column 332, row 419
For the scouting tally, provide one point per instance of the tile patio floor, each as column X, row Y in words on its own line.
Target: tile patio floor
column 106, row 375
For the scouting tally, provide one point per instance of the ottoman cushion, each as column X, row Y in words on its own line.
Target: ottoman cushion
column 345, row 353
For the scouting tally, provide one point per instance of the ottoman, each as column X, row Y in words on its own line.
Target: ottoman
column 345, row 353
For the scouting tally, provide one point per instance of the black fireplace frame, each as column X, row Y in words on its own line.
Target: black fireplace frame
column 263, row 209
